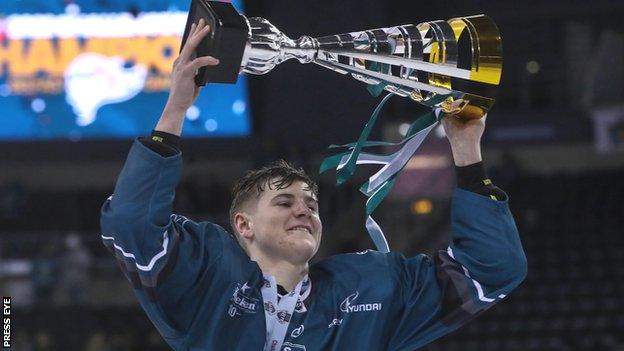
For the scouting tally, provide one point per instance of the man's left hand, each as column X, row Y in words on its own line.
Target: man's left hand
column 465, row 138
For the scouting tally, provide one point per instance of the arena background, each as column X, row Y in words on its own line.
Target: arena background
column 554, row 141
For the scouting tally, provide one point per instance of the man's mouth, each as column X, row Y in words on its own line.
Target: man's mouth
column 301, row 228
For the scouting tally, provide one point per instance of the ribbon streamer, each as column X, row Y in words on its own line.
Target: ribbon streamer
column 379, row 184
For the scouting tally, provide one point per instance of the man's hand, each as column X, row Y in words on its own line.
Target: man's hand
column 465, row 138
column 183, row 90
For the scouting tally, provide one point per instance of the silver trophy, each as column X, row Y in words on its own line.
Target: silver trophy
column 460, row 59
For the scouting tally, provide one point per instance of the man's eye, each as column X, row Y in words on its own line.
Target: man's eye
column 283, row 204
column 312, row 208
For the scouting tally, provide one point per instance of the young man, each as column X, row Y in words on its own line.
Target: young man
column 204, row 291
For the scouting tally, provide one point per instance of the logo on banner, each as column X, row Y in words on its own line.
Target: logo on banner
column 94, row 80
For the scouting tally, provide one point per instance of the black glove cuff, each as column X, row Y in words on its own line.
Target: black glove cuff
column 163, row 143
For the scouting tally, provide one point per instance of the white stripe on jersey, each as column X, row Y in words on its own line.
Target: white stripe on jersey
column 477, row 285
column 149, row 266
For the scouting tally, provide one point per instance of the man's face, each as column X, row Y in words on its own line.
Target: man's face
column 286, row 223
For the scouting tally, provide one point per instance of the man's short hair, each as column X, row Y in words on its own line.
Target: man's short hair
column 277, row 175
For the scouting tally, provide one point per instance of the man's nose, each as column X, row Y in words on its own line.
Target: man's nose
column 302, row 209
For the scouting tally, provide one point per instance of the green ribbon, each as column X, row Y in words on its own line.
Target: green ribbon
column 376, row 89
column 378, row 195
column 346, row 172
column 332, row 162
column 345, row 162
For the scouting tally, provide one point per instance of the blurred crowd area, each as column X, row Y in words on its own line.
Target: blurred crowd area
column 68, row 293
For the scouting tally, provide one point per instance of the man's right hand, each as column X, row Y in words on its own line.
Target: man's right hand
column 183, row 91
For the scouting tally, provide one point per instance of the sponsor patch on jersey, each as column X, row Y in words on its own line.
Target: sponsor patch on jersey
column 348, row 305
column 242, row 301
column 287, row 346
column 335, row 322
column 297, row 331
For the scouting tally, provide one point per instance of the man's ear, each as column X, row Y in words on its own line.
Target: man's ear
column 243, row 225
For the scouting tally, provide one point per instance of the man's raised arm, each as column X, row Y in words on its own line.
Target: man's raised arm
column 483, row 263
column 160, row 253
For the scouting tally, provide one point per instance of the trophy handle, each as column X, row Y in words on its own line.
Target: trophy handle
column 267, row 47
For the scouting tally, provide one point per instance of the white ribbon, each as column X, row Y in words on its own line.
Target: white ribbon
column 393, row 163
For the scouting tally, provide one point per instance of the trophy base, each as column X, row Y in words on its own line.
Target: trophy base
column 226, row 40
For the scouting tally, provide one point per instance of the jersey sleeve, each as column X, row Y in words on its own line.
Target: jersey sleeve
column 161, row 254
column 483, row 264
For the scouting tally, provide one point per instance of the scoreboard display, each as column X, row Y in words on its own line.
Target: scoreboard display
column 101, row 69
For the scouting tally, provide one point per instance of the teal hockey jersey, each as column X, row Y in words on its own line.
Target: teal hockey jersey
column 202, row 292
